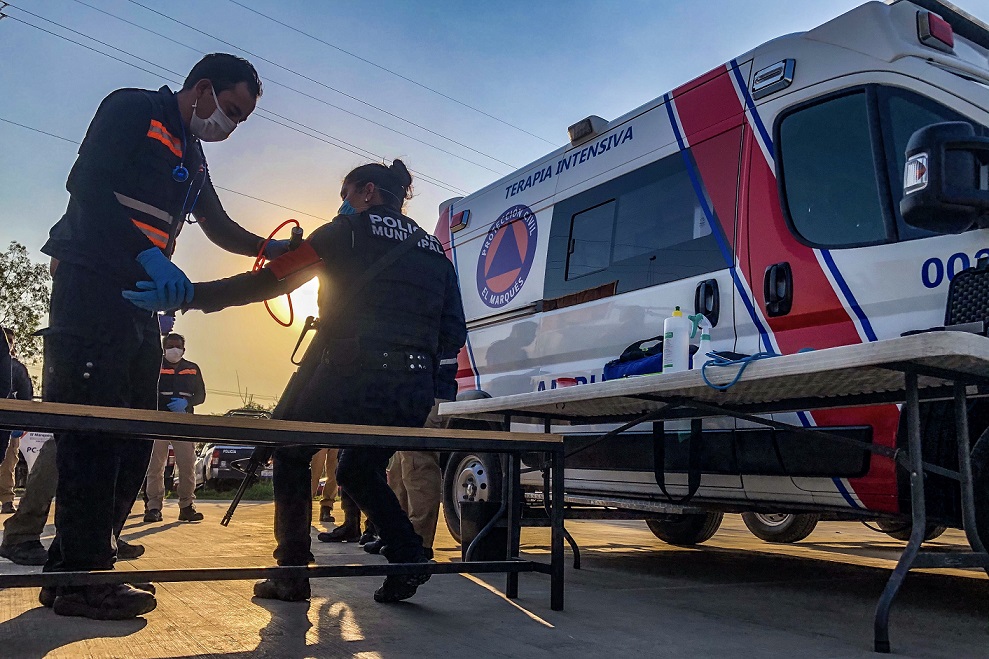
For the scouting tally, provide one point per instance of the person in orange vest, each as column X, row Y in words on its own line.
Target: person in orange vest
column 180, row 389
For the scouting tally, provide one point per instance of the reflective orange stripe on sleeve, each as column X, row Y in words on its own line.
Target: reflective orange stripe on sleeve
column 167, row 371
column 157, row 131
column 295, row 261
column 188, row 371
column 157, row 237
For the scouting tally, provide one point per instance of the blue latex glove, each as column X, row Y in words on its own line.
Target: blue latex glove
column 178, row 405
column 275, row 248
column 172, row 286
column 146, row 297
column 15, row 434
column 166, row 322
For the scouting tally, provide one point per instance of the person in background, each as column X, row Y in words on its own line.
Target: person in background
column 415, row 476
column 180, row 389
column 22, row 389
column 325, row 459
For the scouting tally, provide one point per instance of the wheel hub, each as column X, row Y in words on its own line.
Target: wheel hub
column 773, row 519
column 472, row 480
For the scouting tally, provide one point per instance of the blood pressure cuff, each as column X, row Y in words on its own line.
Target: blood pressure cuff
column 637, row 359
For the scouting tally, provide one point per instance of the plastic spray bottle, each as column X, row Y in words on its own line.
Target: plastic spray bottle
column 676, row 343
column 699, row 322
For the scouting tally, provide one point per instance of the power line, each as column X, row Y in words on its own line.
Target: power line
column 285, row 86
column 323, row 84
column 418, row 174
column 394, row 73
column 242, row 194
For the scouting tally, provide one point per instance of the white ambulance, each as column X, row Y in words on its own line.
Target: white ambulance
column 765, row 195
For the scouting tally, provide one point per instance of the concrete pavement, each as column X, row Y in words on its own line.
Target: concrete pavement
column 734, row 596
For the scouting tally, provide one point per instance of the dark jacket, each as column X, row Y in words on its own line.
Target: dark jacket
column 180, row 380
column 124, row 198
column 6, row 368
column 21, row 386
column 414, row 305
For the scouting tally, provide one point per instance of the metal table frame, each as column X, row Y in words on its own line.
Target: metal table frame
column 49, row 417
column 945, row 384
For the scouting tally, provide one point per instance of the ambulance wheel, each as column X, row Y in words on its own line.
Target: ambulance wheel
column 686, row 530
column 469, row 477
column 901, row 530
column 780, row 527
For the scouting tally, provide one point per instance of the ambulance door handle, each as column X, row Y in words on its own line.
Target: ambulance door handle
column 778, row 289
column 707, row 300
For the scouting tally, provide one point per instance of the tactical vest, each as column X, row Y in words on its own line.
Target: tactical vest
column 402, row 307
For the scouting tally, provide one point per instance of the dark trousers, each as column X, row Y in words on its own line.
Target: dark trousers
column 99, row 350
column 364, row 399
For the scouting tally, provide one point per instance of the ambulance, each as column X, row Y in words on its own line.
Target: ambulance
column 764, row 195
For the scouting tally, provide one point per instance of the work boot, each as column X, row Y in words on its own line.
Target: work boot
column 152, row 515
column 403, row 586
column 326, row 515
column 190, row 514
column 374, row 547
column 340, row 534
column 104, row 602
column 127, row 551
column 286, row 590
column 368, row 536
column 7, row 508
column 31, row 552
column 48, row 593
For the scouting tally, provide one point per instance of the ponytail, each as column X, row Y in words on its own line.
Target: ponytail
column 395, row 181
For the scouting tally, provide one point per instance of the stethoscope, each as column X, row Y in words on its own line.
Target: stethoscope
column 180, row 174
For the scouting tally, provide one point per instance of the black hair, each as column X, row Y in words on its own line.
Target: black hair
column 173, row 335
column 225, row 71
column 394, row 181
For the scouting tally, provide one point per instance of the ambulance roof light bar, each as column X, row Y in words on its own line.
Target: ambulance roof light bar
column 586, row 129
column 935, row 32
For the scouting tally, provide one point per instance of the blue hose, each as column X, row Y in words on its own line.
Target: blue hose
column 718, row 361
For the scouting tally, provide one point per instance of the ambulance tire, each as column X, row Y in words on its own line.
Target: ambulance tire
column 472, row 477
column 686, row 530
column 780, row 528
column 901, row 530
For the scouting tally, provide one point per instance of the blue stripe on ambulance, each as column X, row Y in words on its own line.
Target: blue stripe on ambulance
column 470, row 350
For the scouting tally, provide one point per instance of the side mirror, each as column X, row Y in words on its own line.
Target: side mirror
column 946, row 178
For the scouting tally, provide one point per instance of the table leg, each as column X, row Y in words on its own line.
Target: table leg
column 556, row 522
column 513, row 522
column 918, row 515
column 965, row 470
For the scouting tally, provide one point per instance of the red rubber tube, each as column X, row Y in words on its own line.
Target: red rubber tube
column 259, row 263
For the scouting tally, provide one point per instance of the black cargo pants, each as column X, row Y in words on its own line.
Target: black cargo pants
column 99, row 350
column 367, row 398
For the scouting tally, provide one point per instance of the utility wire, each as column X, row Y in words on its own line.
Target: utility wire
column 394, row 73
column 323, row 84
column 420, row 175
column 242, row 194
column 288, row 87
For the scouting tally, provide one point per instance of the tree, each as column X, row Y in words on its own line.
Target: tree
column 25, row 296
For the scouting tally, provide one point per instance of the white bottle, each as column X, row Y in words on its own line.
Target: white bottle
column 703, row 348
column 676, row 344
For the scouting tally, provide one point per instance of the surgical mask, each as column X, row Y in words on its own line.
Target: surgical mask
column 173, row 355
column 347, row 209
column 215, row 128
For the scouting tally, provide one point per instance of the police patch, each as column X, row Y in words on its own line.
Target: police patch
column 506, row 256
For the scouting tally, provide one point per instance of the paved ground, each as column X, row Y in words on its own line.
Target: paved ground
column 735, row 596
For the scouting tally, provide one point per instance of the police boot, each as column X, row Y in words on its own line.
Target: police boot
column 286, row 590
column 374, row 547
column 48, row 593
column 104, row 602
column 403, row 586
column 345, row 533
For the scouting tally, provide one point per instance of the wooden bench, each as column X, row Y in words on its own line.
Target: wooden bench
column 144, row 424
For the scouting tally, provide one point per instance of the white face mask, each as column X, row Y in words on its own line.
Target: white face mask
column 214, row 129
column 173, row 355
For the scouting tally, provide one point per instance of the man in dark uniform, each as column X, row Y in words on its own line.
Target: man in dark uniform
column 139, row 174
column 380, row 339
column 180, row 389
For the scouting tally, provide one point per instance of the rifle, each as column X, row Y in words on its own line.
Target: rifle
column 262, row 454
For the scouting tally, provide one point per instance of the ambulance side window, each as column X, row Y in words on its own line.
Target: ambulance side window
column 643, row 228
column 828, row 173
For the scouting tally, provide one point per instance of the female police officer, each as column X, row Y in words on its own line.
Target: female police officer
column 378, row 357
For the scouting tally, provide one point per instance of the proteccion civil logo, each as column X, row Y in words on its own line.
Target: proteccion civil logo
column 506, row 256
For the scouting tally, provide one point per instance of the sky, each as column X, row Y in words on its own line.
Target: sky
column 534, row 67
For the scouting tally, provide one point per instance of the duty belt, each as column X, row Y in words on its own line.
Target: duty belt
column 396, row 360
